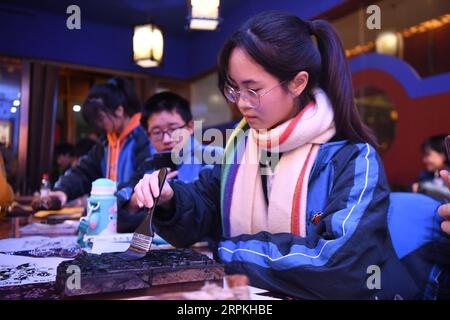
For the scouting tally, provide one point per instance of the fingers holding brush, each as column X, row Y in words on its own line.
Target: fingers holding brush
column 148, row 188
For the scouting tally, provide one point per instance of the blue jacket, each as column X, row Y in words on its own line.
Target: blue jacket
column 367, row 244
column 78, row 180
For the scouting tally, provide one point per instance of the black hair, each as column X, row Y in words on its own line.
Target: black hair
column 83, row 146
column 281, row 43
column 166, row 101
column 107, row 97
column 436, row 143
column 64, row 149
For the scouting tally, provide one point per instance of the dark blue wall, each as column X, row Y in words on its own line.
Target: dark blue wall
column 43, row 35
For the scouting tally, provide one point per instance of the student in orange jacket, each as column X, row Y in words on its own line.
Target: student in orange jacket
column 113, row 108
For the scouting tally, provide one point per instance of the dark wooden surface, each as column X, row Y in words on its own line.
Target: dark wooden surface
column 107, row 272
column 107, row 276
column 38, row 291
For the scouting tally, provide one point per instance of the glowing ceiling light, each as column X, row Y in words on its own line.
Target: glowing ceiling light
column 148, row 45
column 204, row 15
column 389, row 43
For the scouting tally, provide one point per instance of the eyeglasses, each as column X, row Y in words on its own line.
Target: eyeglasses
column 252, row 97
column 158, row 134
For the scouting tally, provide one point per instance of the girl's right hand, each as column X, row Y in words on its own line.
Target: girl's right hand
column 148, row 187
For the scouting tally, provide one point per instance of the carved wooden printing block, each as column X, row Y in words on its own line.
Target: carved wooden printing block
column 108, row 273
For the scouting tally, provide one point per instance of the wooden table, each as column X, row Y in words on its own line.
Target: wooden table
column 141, row 294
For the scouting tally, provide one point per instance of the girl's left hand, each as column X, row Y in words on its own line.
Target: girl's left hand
column 444, row 210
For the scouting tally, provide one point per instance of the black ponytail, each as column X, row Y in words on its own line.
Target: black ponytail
column 335, row 78
column 282, row 44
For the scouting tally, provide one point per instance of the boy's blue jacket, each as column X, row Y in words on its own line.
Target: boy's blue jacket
column 78, row 180
column 194, row 157
column 367, row 244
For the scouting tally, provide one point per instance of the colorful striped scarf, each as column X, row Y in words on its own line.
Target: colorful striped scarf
column 244, row 207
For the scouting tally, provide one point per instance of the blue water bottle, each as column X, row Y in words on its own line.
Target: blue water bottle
column 101, row 217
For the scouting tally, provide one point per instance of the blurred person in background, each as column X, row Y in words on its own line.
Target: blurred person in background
column 64, row 159
column 435, row 160
column 83, row 147
column 114, row 108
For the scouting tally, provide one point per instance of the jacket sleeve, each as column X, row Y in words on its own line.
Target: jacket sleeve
column 332, row 261
column 77, row 181
column 141, row 148
column 141, row 162
column 197, row 210
column 126, row 189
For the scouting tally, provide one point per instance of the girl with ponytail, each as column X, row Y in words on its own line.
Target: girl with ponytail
column 311, row 222
column 114, row 109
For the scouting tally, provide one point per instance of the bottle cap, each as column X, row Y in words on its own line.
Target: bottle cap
column 103, row 187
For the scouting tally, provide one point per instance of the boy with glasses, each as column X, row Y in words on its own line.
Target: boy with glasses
column 168, row 120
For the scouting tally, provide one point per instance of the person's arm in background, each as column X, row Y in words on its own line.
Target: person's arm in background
column 444, row 210
column 6, row 192
column 142, row 162
column 126, row 198
column 78, row 180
